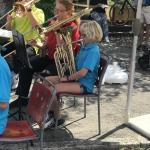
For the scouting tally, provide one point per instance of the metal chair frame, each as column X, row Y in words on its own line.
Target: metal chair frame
column 41, row 95
column 102, row 68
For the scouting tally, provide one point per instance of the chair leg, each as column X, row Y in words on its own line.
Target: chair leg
column 84, row 107
column 74, row 102
column 41, row 139
column 98, row 114
column 27, row 146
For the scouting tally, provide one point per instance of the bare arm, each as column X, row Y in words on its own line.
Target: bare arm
column 9, row 22
column 76, row 75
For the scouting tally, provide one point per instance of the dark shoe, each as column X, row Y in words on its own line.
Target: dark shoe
column 49, row 120
column 51, row 123
column 59, row 122
column 16, row 103
column 139, row 47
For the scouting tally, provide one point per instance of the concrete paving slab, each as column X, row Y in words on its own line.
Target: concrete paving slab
column 113, row 111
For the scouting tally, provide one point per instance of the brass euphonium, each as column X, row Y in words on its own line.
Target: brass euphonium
column 64, row 56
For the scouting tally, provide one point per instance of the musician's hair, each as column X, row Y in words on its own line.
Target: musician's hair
column 92, row 31
column 68, row 4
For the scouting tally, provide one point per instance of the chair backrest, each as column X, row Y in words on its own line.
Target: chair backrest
column 101, row 71
column 40, row 101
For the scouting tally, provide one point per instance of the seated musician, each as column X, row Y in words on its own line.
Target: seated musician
column 25, row 20
column 87, row 63
column 99, row 14
column 63, row 10
column 5, row 87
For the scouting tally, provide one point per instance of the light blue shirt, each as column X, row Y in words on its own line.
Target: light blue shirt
column 5, row 90
column 88, row 57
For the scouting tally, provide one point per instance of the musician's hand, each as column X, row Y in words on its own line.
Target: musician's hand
column 63, row 79
column 53, row 22
column 59, row 38
column 9, row 18
column 32, row 42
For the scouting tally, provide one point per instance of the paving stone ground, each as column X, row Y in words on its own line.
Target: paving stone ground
column 81, row 133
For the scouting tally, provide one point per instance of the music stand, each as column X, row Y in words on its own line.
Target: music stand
column 21, row 53
column 23, row 60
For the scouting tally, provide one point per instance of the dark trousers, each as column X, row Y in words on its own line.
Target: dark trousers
column 25, row 74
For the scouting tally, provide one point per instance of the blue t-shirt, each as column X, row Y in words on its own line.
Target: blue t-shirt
column 5, row 90
column 88, row 57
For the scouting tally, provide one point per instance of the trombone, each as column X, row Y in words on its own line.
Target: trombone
column 17, row 5
column 61, row 23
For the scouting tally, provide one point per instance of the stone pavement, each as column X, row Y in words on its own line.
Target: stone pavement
column 81, row 133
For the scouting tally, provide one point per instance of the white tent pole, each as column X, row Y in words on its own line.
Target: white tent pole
column 136, row 30
column 88, row 3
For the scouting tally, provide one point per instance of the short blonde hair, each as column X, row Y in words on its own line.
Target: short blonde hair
column 92, row 30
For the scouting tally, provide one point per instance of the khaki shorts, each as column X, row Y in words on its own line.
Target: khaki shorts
column 145, row 14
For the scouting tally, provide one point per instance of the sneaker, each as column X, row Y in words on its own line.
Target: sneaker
column 107, row 39
column 59, row 122
column 49, row 119
column 49, row 122
column 15, row 103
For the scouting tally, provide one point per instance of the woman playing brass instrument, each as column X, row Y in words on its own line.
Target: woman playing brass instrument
column 63, row 9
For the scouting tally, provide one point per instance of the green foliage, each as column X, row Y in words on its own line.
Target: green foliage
column 47, row 6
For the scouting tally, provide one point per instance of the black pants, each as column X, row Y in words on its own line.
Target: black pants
column 25, row 74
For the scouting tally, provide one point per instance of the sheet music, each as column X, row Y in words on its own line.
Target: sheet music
column 5, row 33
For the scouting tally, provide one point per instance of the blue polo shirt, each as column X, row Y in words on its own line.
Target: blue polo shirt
column 5, row 90
column 88, row 57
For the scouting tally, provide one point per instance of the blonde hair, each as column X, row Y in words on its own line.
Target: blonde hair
column 92, row 30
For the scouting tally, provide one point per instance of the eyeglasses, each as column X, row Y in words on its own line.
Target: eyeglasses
column 59, row 10
column 83, row 35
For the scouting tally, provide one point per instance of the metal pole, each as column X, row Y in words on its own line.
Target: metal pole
column 136, row 30
column 88, row 3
